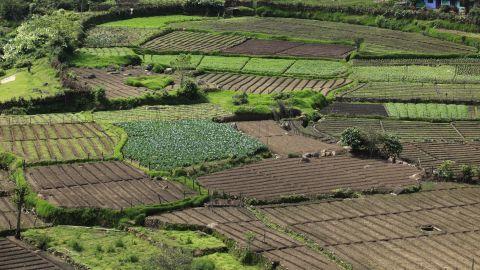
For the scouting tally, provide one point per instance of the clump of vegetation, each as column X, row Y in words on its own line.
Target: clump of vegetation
column 158, row 82
column 170, row 259
column 189, row 90
column 372, row 143
column 203, row 264
column 446, row 170
column 240, row 99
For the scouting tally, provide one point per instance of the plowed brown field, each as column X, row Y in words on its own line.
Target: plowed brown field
column 385, row 231
column 114, row 185
column 8, row 216
column 235, row 222
column 273, row 179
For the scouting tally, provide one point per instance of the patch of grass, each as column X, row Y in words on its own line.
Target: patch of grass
column 153, row 22
column 82, row 59
column 42, row 81
column 157, row 82
column 267, row 66
column 184, row 239
column 316, row 68
column 226, row 261
column 222, row 63
column 167, row 59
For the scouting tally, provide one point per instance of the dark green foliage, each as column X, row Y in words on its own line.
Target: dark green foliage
column 14, row 10
column 445, row 170
column 159, row 68
column 76, row 246
column 203, row 264
column 372, row 143
column 468, row 172
column 353, row 137
column 189, row 89
column 42, row 241
column 391, row 146
column 240, row 99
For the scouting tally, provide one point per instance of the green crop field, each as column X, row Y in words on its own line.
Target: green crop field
column 40, row 82
column 152, row 22
column 222, row 63
column 161, row 112
column 268, row 66
column 316, row 68
column 157, row 82
column 100, row 249
column 169, row 145
column 102, row 36
column 432, row 111
column 377, row 40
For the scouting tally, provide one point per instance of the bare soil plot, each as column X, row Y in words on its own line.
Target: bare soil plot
column 429, row 155
column 234, row 222
column 192, row 42
column 426, row 230
column 289, row 48
column 113, row 185
column 355, row 109
column 283, row 142
column 15, row 255
column 408, row 131
column 112, row 82
column 6, row 184
column 272, row 179
column 44, row 142
column 268, row 85
column 8, row 217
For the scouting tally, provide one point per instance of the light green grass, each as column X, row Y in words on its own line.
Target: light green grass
column 41, row 82
column 157, row 82
column 316, row 68
column 431, row 111
column 153, row 22
column 81, row 59
column 221, row 63
column 267, row 66
column 166, row 60
column 225, row 261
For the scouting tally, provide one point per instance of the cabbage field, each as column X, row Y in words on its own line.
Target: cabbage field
column 168, row 145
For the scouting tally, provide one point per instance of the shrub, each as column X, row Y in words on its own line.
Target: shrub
column 189, row 89
column 203, row 264
column 445, row 170
column 354, row 138
column 240, row 99
column 41, row 241
column 2, row 72
column 159, row 68
column 468, row 172
column 119, row 243
column 76, row 246
column 391, row 146
column 132, row 60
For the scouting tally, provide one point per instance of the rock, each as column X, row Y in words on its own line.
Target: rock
column 168, row 71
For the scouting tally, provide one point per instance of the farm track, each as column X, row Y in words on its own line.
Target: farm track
column 289, row 48
column 113, row 185
column 16, row 256
column 192, row 42
column 354, row 109
column 234, row 222
column 268, row 85
column 283, row 142
column 408, row 131
column 405, row 92
column 113, row 83
column 384, row 231
column 46, row 142
column 273, row 179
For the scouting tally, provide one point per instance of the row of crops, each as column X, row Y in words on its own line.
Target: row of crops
column 168, row 145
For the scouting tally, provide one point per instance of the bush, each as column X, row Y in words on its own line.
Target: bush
column 189, row 89
column 203, row 264
column 133, row 60
column 354, row 138
column 75, row 245
column 468, row 172
column 445, row 170
column 159, row 68
column 391, row 146
column 41, row 241
column 2, row 72
column 240, row 99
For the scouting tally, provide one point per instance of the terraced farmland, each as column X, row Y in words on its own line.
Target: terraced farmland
column 429, row 155
column 355, row 109
column 192, row 42
column 62, row 142
column 53, row 118
column 267, row 85
column 283, row 142
column 161, row 113
column 113, row 185
column 8, row 217
column 15, row 255
column 332, row 127
column 234, row 222
column 426, row 230
column 288, row 48
column 406, row 92
column 274, row 179
column 376, row 39
column 112, row 82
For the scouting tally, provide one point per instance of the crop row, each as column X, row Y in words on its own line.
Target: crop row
column 417, row 61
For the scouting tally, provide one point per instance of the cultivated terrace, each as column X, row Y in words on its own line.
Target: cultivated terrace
column 239, row 135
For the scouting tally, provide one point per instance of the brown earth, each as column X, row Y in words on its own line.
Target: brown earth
column 192, row 42
column 8, row 217
column 289, row 48
column 283, row 142
column 385, row 231
column 235, row 222
column 113, row 185
column 355, row 109
column 267, row 85
column 273, row 179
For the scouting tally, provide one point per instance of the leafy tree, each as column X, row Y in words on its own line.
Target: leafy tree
column 354, row 138
column 189, row 89
column 445, row 170
column 392, row 147
column 19, row 199
column 468, row 172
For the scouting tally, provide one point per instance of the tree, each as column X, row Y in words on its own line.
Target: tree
column 354, row 138
column 19, row 199
column 445, row 170
column 392, row 147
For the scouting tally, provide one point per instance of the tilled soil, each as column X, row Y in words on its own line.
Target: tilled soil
column 235, row 222
column 8, row 217
column 112, row 82
column 113, row 185
column 267, row 85
column 276, row 178
column 385, row 231
column 14, row 255
column 283, row 142
column 289, row 48
column 192, row 42
column 355, row 109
